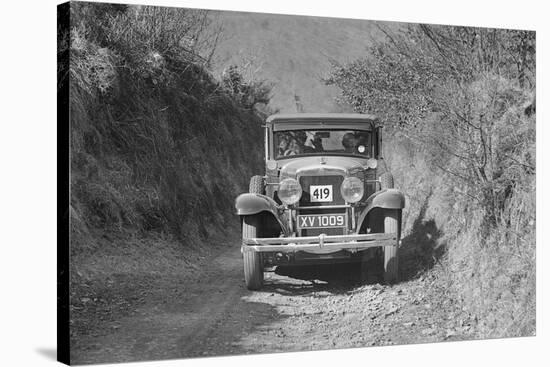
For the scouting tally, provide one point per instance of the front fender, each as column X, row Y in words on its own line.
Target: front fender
column 387, row 199
column 251, row 204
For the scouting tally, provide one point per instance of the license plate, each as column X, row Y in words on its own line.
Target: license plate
column 322, row 221
column 320, row 193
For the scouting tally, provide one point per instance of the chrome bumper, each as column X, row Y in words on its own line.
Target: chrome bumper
column 351, row 242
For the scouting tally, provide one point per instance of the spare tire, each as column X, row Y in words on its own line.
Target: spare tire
column 386, row 181
column 256, row 185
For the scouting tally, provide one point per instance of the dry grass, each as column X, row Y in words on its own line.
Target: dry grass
column 490, row 270
column 156, row 142
column 460, row 109
column 158, row 152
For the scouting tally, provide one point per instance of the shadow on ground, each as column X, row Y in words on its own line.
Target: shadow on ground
column 330, row 278
column 422, row 248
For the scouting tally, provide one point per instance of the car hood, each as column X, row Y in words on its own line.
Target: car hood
column 319, row 165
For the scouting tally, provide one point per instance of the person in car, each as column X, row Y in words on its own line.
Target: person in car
column 293, row 147
column 313, row 144
column 297, row 144
column 300, row 143
column 283, row 145
column 349, row 142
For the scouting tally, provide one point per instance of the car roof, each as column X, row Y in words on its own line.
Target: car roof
column 327, row 120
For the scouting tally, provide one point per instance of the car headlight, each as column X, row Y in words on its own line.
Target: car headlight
column 289, row 191
column 352, row 189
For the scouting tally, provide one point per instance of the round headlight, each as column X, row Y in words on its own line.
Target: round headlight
column 372, row 163
column 289, row 191
column 352, row 189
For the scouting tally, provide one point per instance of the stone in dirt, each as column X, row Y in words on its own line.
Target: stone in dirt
column 391, row 311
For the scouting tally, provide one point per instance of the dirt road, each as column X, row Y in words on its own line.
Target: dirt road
column 308, row 308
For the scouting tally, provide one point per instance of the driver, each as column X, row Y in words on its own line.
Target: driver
column 293, row 148
column 297, row 144
column 283, row 145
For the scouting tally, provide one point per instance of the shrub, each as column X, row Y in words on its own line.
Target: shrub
column 458, row 97
column 156, row 143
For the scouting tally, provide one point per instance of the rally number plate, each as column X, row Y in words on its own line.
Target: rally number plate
column 320, row 193
column 322, row 221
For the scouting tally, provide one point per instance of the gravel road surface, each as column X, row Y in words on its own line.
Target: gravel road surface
column 211, row 313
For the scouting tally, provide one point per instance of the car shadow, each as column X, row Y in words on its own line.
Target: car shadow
column 422, row 248
column 329, row 278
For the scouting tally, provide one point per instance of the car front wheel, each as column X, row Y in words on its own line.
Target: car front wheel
column 253, row 269
column 392, row 224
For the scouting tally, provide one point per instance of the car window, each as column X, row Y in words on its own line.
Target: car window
column 314, row 142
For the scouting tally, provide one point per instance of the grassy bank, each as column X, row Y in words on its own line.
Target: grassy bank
column 459, row 108
column 157, row 144
column 489, row 270
column 159, row 149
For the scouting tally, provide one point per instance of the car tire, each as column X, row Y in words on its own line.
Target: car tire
column 392, row 224
column 256, row 185
column 253, row 267
column 386, row 181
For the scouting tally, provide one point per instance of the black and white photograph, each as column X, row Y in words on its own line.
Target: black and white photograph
column 246, row 183
column 257, row 183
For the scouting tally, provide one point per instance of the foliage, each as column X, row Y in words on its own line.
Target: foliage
column 157, row 144
column 249, row 93
column 460, row 95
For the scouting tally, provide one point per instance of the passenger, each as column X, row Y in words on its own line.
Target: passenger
column 314, row 144
column 349, row 142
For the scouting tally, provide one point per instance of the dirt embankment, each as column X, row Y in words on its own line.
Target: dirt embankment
column 203, row 309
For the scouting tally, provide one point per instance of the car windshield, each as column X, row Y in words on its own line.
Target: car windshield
column 312, row 142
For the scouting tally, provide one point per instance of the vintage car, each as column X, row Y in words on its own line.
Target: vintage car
column 326, row 197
